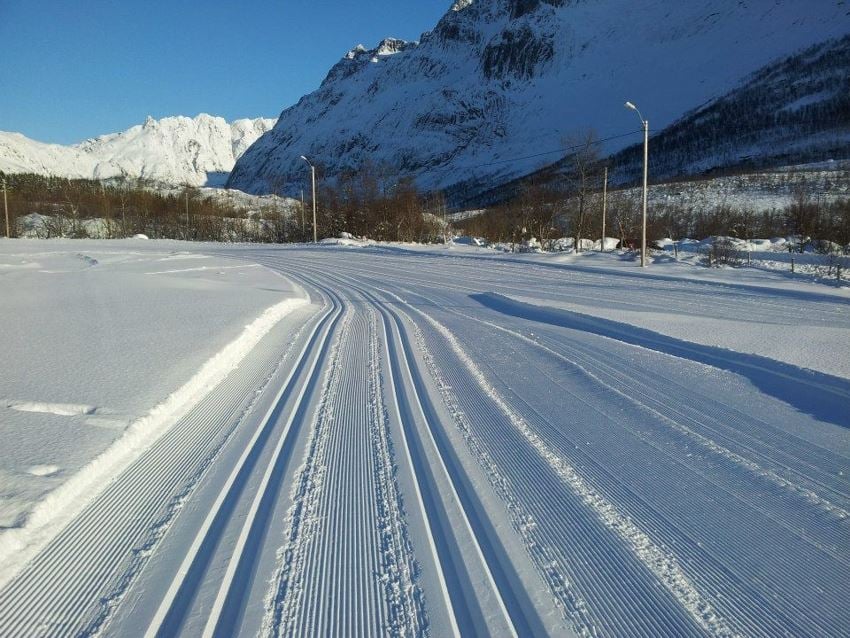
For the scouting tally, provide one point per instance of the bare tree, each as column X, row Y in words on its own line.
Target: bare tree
column 582, row 180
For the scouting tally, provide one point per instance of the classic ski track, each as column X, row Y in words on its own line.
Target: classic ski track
column 383, row 569
column 104, row 547
column 811, row 497
column 661, row 524
column 278, row 617
column 180, row 588
column 519, row 620
column 286, row 600
column 407, row 611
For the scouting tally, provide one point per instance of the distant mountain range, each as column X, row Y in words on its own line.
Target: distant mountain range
column 498, row 87
column 198, row 151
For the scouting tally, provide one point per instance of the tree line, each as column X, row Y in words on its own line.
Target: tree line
column 365, row 204
column 570, row 204
column 360, row 203
column 49, row 207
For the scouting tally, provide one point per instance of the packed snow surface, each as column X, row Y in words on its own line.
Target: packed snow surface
column 107, row 358
column 443, row 441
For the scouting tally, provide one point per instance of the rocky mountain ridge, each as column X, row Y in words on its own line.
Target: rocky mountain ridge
column 197, row 151
column 497, row 88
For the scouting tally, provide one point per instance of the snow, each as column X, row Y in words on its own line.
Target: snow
column 758, row 191
column 445, row 440
column 106, row 360
column 174, row 150
column 459, row 123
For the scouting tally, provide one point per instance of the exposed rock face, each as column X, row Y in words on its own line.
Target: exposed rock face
column 505, row 79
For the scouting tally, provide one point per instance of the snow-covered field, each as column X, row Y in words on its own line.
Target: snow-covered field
column 418, row 441
column 104, row 346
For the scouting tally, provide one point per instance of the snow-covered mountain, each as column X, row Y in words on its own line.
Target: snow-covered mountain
column 793, row 111
column 174, row 150
column 498, row 80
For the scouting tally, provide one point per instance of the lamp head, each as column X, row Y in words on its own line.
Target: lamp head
column 631, row 106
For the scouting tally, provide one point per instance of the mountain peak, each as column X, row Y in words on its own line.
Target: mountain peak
column 500, row 79
column 198, row 150
column 359, row 58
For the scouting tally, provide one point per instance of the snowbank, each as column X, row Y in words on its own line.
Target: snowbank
column 104, row 358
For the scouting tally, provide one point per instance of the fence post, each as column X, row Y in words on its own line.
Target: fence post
column 792, row 265
column 838, row 272
column 748, row 258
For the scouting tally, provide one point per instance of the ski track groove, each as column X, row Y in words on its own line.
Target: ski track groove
column 658, row 559
column 186, row 445
column 828, row 613
column 346, row 501
column 615, row 557
column 812, row 497
column 178, row 599
column 407, row 606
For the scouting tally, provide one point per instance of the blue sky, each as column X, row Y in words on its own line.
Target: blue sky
column 71, row 70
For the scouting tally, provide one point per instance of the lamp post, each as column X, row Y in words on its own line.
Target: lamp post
column 6, row 208
column 313, row 174
column 604, row 208
column 645, row 124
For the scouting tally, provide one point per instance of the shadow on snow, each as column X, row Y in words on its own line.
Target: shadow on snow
column 820, row 395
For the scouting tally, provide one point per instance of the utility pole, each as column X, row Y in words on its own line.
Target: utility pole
column 645, row 124
column 302, row 213
column 313, row 173
column 187, row 213
column 604, row 208
column 6, row 208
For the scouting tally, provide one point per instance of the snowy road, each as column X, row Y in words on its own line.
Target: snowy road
column 447, row 445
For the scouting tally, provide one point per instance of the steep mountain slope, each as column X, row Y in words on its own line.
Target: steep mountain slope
column 793, row 111
column 504, row 79
column 174, row 150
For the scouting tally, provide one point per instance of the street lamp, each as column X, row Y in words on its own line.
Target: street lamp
column 313, row 173
column 645, row 124
column 6, row 208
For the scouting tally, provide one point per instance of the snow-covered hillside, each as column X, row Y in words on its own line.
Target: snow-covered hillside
column 174, row 150
column 795, row 110
column 499, row 80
